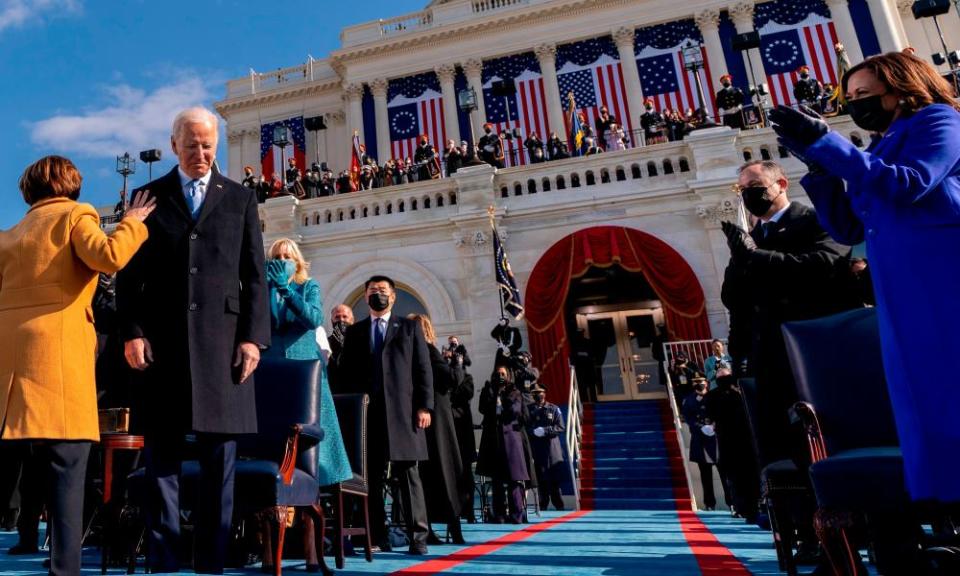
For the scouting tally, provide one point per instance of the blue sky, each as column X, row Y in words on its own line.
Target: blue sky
column 91, row 79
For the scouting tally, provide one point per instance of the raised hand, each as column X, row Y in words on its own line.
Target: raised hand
column 143, row 205
column 802, row 126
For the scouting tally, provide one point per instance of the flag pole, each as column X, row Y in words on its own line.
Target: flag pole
column 491, row 211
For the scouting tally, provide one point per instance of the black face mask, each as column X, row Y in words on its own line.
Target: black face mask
column 378, row 302
column 649, row 108
column 868, row 113
column 804, row 75
column 755, row 200
column 725, row 84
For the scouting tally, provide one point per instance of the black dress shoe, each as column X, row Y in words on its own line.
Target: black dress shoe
column 417, row 550
column 20, row 549
column 433, row 539
column 385, row 546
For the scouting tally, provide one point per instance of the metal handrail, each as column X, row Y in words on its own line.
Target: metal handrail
column 574, row 433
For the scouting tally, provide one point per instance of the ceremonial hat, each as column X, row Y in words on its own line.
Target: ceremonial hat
column 250, row 168
column 803, row 68
column 537, row 387
column 726, row 77
column 648, row 101
column 488, row 125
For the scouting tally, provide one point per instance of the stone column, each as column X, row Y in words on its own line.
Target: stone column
column 235, row 154
column 379, row 89
column 250, row 156
column 473, row 69
column 338, row 155
column 624, row 37
column 446, row 73
column 547, row 56
column 742, row 15
column 918, row 36
column 709, row 23
column 886, row 22
column 846, row 33
column 353, row 97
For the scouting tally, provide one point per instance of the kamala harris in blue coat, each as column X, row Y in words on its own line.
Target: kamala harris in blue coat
column 902, row 196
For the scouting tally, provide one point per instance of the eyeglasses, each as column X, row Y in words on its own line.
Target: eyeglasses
column 750, row 190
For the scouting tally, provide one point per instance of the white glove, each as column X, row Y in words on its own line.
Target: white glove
column 539, row 432
column 708, row 430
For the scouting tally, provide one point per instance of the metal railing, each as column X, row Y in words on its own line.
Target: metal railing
column 574, row 434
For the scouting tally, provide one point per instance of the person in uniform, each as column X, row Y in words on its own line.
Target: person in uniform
column 652, row 123
column 534, row 146
column 249, row 180
column 545, row 426
column 293, row 178
column 491, row 148
column 730, row 102
column 807, row 89
column 425, row 158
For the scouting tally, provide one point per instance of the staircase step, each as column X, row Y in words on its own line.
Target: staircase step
column 663, row 480
column 627, row 493
column 638, row 504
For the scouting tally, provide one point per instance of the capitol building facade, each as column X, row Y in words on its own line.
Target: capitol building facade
column 605, row 248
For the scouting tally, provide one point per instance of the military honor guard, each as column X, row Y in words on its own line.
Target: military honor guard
column 428, row 166
column 730, row 102
column 491, row 148
column 807, row 89
column 545, row 425
column 653, row 124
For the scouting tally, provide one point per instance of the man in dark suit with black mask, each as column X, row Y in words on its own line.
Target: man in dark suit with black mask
column 787, row 268
column 193, row 314
column 387, row 357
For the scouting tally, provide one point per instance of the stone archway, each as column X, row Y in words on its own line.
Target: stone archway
column 666, row 271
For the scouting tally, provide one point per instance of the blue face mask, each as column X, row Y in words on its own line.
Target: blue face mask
column 289, row 267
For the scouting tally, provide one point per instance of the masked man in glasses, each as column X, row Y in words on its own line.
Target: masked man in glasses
column 786, row 268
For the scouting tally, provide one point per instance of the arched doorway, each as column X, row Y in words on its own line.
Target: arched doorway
column 669, row 285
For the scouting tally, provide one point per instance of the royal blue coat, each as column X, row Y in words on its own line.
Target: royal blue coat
column 902, row 197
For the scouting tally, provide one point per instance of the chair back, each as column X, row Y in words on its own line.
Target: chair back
column 352, row 413
column 838, row 368
column 288, row 393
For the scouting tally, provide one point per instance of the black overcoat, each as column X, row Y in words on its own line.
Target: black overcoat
column 547, row 450
column 442, row 471
column 407, row 384
column 195, row 290
column 703, row 448
column 503, row 455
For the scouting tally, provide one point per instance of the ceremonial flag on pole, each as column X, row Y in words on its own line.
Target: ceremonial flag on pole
column 509, row 293
column 843, row 65
column 355, row 163
column 576, row 128
column 592, row 70
column 526, row 109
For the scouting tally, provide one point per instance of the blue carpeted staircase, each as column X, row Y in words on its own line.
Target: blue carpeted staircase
column 629, row 462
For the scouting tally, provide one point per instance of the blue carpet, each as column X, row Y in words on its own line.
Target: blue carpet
column 601, row 543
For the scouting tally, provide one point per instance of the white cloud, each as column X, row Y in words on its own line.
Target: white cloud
column 15, row 13
column 133, row 119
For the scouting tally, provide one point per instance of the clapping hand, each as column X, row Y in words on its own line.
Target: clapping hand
column 277, row 274
column 803, row 126
column 739, row 241
column 539, row 432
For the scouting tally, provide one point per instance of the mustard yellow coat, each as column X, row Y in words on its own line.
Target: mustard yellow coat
column 48, row 274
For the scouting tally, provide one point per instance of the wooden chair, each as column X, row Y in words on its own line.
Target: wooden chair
column 352, row 413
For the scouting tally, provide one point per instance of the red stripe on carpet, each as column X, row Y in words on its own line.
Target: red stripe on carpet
column 445, row 563
column 712, row 556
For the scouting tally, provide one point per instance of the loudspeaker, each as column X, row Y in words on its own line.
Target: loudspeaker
column 928, row 8
column 501, row 88
column 314, row 123
column 150, row 156
column 746, row 41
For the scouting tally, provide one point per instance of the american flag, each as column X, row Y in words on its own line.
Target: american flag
column 415, row 107
column 663, row 78
column 270, row 157
column 793, row 34
column 591, row 69
column 527, row 108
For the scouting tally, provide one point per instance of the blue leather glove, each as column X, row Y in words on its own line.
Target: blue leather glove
column 803, row 126
column 277, row 274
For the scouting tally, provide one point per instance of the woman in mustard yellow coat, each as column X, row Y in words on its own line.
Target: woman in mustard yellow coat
column 49, row 263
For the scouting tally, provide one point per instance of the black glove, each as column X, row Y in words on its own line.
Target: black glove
column 740, row 243
column 803, row 126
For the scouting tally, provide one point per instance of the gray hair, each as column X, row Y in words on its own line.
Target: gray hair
column 194, row 115
column 769, row 167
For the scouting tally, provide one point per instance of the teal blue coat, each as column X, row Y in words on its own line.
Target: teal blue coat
column 295, row 317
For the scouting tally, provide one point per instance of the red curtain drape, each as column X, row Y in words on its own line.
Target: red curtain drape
column 668, row 274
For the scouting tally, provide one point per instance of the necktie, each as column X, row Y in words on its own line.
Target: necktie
column 764, row 229
column 194, row 197
column 378, row 337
